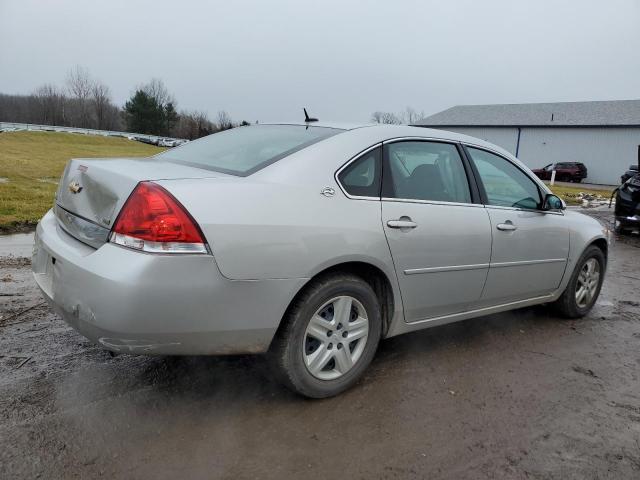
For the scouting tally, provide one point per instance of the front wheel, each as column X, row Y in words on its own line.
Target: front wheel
column 584, row 286
column 329, row 336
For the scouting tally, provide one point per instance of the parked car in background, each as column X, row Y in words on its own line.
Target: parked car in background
column 169, row 142
column 310, row 243
column 148, row 140
column 627, row 210
column 565, row 171
column 633, row 171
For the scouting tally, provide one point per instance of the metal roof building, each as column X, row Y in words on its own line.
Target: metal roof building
column 603, row 135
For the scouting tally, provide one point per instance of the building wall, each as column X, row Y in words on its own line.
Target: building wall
column 607, row 152
column 506, row 138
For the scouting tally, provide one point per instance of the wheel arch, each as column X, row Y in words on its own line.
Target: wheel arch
column 370, row 273
column 602, row 244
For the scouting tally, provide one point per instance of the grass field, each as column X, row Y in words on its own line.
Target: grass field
column 31, row 164
column 569, row 194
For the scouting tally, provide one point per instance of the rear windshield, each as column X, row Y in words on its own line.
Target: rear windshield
column 244, row 150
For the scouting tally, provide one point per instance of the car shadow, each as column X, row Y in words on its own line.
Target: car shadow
column 249, row 376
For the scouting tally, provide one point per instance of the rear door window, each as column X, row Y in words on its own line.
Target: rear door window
column 421, row 170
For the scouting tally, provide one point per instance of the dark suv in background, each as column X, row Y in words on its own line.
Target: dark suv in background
column 627, row 209
column 565, row 171
column 632, row 172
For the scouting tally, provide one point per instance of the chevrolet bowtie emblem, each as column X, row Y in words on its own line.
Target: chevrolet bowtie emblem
column 74, row 187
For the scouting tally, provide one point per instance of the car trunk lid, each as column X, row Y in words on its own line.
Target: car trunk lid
column 92, row 191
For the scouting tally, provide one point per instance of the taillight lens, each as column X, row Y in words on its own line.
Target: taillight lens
column 152, row 220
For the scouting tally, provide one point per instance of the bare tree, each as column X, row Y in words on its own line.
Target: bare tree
column 50, row 104
column 101, row 102
column 193, row 125
column 157, row 90
column 79, row 85
column 385, row 117
column 224, row 120
column 376, row 117
column 79, row 82
column 411, row 116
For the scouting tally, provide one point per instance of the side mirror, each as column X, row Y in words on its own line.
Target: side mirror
column 553, row 202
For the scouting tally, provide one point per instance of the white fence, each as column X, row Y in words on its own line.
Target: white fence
column 14, row 127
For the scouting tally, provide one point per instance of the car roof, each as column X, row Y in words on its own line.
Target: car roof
column 390, row 131
column 337, row 125
column 380, row 132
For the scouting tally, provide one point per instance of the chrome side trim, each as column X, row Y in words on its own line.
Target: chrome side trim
column 527, row 262
column 480, row 311
column 349, row 162
column 432, row 202
column 426, row 139
column 519, row 209
column 87, row 232
column 454, row 268
column 479, row 266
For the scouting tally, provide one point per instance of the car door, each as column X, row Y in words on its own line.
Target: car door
column 440, row 240
column 530, row 246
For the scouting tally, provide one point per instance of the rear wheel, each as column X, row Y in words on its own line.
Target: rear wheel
column 328, row 338
column 620, row 229
column 584, row 286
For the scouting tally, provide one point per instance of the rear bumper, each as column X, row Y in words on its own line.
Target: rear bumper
column 134, row 302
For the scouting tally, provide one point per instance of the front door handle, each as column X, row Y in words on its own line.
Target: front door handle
column 401, row 223
column 507, row 226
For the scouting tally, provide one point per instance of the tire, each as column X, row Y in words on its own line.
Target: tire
column 296, row 350
column 568, row 305
column 620, row 230
column 577, row 180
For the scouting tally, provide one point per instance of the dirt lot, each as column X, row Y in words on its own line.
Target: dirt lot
column 514, row 395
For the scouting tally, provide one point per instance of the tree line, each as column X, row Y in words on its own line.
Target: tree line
column 408, row 117
column 86, row 102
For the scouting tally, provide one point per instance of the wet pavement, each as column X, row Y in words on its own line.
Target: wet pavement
column 516, row 395
column 18, row 245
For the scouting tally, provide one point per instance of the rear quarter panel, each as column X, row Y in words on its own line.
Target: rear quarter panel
column 259, row 230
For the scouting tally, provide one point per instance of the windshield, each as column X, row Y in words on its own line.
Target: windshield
column 244, row 150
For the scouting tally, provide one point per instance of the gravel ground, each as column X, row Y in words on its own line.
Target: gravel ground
column 516, row 395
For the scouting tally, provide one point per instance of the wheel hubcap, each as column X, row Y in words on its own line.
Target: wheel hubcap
column 588, row 281
column 335, row 337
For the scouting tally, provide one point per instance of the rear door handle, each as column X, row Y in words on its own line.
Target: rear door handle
column 507, row 226
column 401, row 224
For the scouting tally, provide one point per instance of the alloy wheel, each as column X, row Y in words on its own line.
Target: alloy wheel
column 588, row 282
column 335, row 338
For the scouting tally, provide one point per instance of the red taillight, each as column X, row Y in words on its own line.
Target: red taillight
column 154, row 221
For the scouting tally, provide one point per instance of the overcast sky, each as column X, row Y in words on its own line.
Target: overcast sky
column 342, row 59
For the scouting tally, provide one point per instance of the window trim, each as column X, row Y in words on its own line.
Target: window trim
column 483, row 194
column 474, row 191
column 353, row 159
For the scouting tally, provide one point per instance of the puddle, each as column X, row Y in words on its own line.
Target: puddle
column 18, row 245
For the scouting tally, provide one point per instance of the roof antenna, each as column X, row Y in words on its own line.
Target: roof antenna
column 307, row 118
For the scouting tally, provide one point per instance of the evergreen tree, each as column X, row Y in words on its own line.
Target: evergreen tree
column 144, row 115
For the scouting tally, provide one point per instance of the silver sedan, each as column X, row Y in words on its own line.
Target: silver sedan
column 309, row 242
